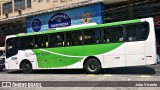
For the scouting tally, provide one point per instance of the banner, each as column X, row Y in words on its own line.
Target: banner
column 76, row 16
column 59, row 20
column 29, row 84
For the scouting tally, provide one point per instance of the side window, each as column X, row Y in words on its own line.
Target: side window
column 57, row 40
column 92, row 36
column 30, row 42
column 113, row 34
column 137, row 32
column 73, row 38
column 41, row 41
column 21, row 43
column 131, row 33
column 11, row 45
column 142, row 31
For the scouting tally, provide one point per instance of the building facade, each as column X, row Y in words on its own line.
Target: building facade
column 135, row 9
column 65, row 18
column 28, row 16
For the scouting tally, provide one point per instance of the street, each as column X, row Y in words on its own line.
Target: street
column 153, row 70
column 71, row 34
column 141, row 73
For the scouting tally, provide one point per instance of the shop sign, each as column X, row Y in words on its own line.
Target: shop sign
column 59, row 20
column 36, row 25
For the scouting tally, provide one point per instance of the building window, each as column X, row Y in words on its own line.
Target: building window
column 19, row 4
column 117, row 14
column 28, row 3
column 7, row 7
column 0, row 9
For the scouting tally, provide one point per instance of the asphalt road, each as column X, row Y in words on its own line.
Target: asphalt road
column 126, row 74
column 153, row 70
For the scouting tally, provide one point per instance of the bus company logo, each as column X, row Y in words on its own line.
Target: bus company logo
column 59, row 20
column 36, row 25
column 21, row 84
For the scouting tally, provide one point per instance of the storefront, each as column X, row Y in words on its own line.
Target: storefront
column 51, row 21
column 10, row 27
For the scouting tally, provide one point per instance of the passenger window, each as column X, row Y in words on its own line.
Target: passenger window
column 142, row 31
column 92, row 36
column 56, row 40
column 113, row 34
column 131, row 33
column 21, row 43
column 73, row 38
column 137, row 32
column 30, row 42
column 41, row 41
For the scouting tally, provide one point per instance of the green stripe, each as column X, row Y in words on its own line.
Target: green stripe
column 48, row 60
column 55, row 61
column 80, row 28
column 86, row 50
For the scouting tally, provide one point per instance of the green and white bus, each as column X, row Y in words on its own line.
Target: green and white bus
column 92, row 48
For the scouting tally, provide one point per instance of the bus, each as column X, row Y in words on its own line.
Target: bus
column 92, row 48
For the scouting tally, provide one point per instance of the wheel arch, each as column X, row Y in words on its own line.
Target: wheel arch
column 23, row 61
column 89, row 57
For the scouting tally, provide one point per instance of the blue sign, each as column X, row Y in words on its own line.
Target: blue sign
column 75, row 16
column 59, row 20
column 36, row 25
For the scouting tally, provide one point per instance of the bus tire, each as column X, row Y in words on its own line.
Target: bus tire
column 92, row 66
column 26, row 67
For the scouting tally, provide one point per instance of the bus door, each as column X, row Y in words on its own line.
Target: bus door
column 55, row 60
column 11, row 52
column 135, row 44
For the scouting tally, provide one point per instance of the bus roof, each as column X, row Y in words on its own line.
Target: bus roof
column 80, row 28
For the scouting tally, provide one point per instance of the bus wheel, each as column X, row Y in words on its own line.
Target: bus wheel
column 92, row 66
column 26, row 67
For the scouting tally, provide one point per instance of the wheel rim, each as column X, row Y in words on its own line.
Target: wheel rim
column 26, row 67
column 92, row 67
